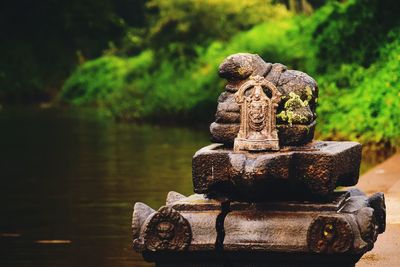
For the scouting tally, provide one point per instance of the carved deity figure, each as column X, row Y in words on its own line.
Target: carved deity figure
column 258, row 99
column 165, row 231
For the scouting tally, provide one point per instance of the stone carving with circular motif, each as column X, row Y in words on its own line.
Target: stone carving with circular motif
column 330, row 235
column 167, row 230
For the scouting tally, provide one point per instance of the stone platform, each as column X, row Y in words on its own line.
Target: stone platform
column 266, row 194
column 313, row 170
column 191, row 227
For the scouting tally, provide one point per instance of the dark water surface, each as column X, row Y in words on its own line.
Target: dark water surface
column 69, row 179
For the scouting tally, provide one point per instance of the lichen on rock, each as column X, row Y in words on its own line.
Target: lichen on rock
column 295, row 110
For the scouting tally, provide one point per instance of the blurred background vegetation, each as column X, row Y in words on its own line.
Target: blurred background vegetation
column 156, row 60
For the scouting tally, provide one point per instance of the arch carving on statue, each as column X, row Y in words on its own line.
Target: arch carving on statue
column 257, row 115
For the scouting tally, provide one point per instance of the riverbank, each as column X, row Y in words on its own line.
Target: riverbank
column 385, row 178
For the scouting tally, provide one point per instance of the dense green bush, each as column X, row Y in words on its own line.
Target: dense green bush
column 358, row 76
column 163, row 88
column 364, row 104
column 43, row 41
column 357, row 60
column 180, row 27
column 353, row 31
column 109, row 82
column 94, row 81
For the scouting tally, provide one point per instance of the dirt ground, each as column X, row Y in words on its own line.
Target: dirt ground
column 385, row 178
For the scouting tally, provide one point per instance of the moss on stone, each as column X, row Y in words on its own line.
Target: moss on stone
column 309, row 93
column 294, row 102
column 291, row 117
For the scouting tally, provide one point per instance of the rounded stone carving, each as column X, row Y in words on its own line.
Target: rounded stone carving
column 295, row 113
column 167, row 230
column 367, row 224
column 330, row 235
column 377, row 202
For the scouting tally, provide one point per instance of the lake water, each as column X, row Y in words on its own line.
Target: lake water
column 73, row 176
column 69, row 179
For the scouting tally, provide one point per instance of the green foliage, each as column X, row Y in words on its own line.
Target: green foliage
column 169, row 87
column 364, row 104
column 95, row 80
column 353, row 31
column 113, row 83
column 356, row 54
column 177, row 28
column 42, row 41
column 358, row 75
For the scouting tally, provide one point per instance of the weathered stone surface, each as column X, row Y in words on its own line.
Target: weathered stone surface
column 315, row 169
column 263, row 231
column 330, row 234
column 224, row 132
column 202, row 214
column 281, row 233
column 297, row 82
column 294, row 135
column 173, row 197
column 197, row 202
column 334, row 202
column 242, row 65
column 167, row 230
column 184, row 224
column 296, row 111
column 377, row 202
column 140, row 213
column 228, row 111
column 298, row 228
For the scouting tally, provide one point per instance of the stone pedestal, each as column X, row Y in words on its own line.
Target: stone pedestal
column 312, row 170
column 197, row 231
column 266, row 193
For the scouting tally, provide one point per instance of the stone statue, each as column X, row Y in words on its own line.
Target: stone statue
column 265, row 190
column 296, row 110
column 258, row 110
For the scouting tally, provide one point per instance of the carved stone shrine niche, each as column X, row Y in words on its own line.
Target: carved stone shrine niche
column 258, row 99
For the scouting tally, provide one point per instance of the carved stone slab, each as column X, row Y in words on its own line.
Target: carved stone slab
column 285, row 233
column 312, row 170
column 184, row 224
column 351, row 229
